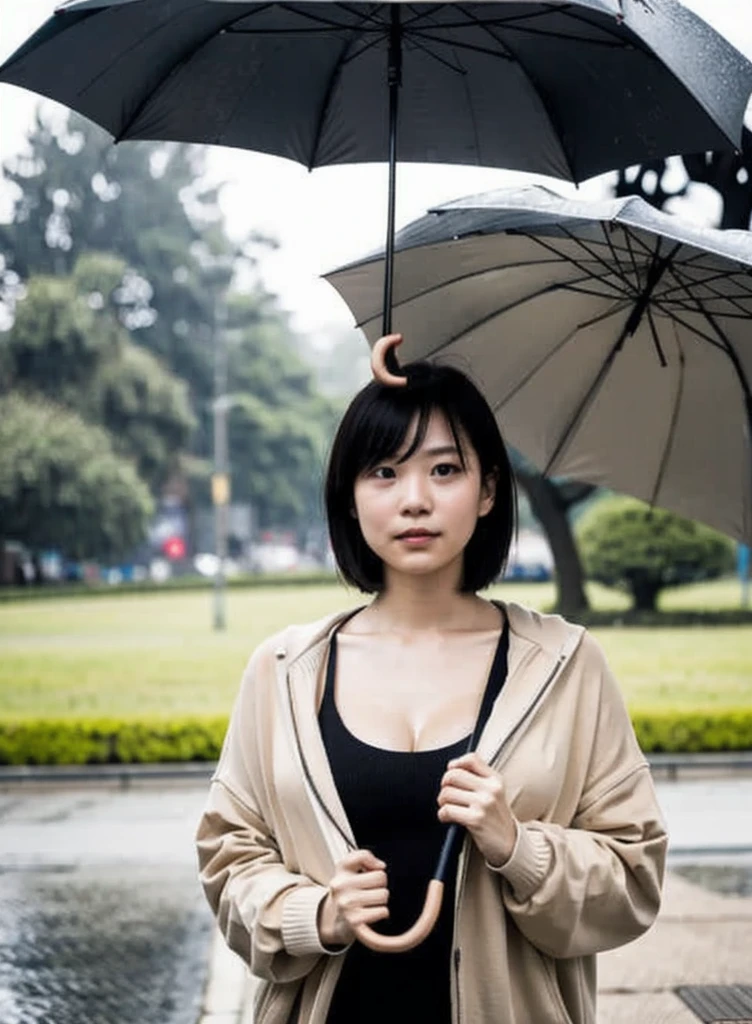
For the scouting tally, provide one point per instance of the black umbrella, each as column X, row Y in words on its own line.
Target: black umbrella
column 568, row 88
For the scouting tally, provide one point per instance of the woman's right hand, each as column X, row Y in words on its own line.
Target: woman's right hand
column 358, row 894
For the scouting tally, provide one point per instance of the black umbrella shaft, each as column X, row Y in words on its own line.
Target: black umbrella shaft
column 394, row 81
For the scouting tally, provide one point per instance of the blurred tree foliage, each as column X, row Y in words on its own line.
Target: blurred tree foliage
column 117, row 281
column 627, row 544
column 63, row 486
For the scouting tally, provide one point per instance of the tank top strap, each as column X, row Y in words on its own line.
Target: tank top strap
column 497, row 676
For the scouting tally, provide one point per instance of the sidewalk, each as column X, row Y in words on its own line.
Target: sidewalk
column 700, row 937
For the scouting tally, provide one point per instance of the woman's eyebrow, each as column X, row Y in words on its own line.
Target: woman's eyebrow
column 447, row 449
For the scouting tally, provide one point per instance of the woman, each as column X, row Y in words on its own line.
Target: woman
column 345, row 757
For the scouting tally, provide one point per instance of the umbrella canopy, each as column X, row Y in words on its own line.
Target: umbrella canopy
column 613, row 341
column 568, row 88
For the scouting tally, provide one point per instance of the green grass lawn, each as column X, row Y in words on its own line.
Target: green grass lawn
column 153, row 653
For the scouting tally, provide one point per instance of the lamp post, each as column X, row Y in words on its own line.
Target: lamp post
column 221, row 475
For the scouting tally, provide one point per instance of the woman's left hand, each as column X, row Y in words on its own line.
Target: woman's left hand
column 472, row 795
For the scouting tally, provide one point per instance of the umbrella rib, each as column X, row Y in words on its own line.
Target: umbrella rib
column 328, row 94
column 656, row 340
column 726, row 346
column 606, row 227
column 705, row 281
column 594, row 255
column 513, row 26
column 411, row 40
column 734, row 300
column 733, row 356
column 630, row 250
column 669, row 445
column 170, row 72
column 671, row 314
column 548, row 290
column 563, row 257
column 363, row 324
column 613, row 311
column 135, row 46
column 457, row 44
column 514, row 57
column 587, row 399
column 647, row 251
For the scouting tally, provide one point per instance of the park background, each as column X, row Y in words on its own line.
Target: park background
column 151, row 293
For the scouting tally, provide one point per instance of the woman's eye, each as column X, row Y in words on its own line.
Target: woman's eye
column 383, row 473
column 446, row 469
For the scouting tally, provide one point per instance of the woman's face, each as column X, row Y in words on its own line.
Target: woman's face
column 418, row 515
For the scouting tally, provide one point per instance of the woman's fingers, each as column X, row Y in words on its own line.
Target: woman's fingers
column 368, row 915
column 361, row 860
column 454, row 814
column 363, row 880
column 471, row 763
column 455, row 795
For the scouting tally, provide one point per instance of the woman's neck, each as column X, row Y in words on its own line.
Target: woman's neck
column 422, row 604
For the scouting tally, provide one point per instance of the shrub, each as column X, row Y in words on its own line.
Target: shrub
column 689, row 732
column 625, row 543
column 160, row 740
column 111, row 741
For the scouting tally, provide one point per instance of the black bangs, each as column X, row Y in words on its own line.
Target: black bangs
column 380, row 422
column 387, row 421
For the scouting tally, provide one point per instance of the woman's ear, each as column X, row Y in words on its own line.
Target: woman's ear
column 487, row 494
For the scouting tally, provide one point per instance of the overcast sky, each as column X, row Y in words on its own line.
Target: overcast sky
column 334, row 214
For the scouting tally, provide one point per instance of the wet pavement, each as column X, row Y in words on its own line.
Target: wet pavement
column 102, row 920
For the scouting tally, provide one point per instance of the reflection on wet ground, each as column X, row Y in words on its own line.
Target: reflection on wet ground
column 102, row 944
column 726, row 879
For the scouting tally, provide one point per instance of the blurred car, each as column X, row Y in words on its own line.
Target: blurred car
column 530, row 559
column 273, row 557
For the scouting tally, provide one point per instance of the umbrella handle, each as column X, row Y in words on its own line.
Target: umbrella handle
column 413, row 936
column 381, row 357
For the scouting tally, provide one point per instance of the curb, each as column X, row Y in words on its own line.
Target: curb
column 668, row 766
column 228, row 997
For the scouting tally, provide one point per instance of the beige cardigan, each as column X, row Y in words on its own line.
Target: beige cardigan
column 585, row 874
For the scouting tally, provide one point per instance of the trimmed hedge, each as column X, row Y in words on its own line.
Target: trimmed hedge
column 34, row 592
column 110, row 740
column 693, row 732
column 48, row 741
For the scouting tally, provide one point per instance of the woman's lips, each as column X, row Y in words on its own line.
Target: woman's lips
column 416, row 538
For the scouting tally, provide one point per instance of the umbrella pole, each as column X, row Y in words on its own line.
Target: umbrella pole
column 394, row 79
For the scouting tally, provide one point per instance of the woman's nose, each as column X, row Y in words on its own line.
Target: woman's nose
column 415, row 496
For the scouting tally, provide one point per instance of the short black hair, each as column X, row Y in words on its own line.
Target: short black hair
column 374, row 428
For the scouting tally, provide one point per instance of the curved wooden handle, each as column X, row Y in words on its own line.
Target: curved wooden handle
column 379, row 368
column 413, row 936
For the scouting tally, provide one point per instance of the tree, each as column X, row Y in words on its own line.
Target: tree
column 729, row 173
column 67, row 344
column 62, row 486
column 643, row 550
column 141, row 236
column 551, row 503
column 77, row 193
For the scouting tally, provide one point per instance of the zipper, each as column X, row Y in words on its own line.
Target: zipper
column 530, row 708
column 304, row 764
column 457, row 956
column 462, row 865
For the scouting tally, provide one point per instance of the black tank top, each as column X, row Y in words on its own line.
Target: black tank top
column 390, row 800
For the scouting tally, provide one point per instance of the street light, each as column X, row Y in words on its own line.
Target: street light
column 221, row 476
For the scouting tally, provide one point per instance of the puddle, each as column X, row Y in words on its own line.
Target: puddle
column 102, row 946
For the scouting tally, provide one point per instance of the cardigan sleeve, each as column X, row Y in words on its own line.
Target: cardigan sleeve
column 267, row 914
column 594, row 883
